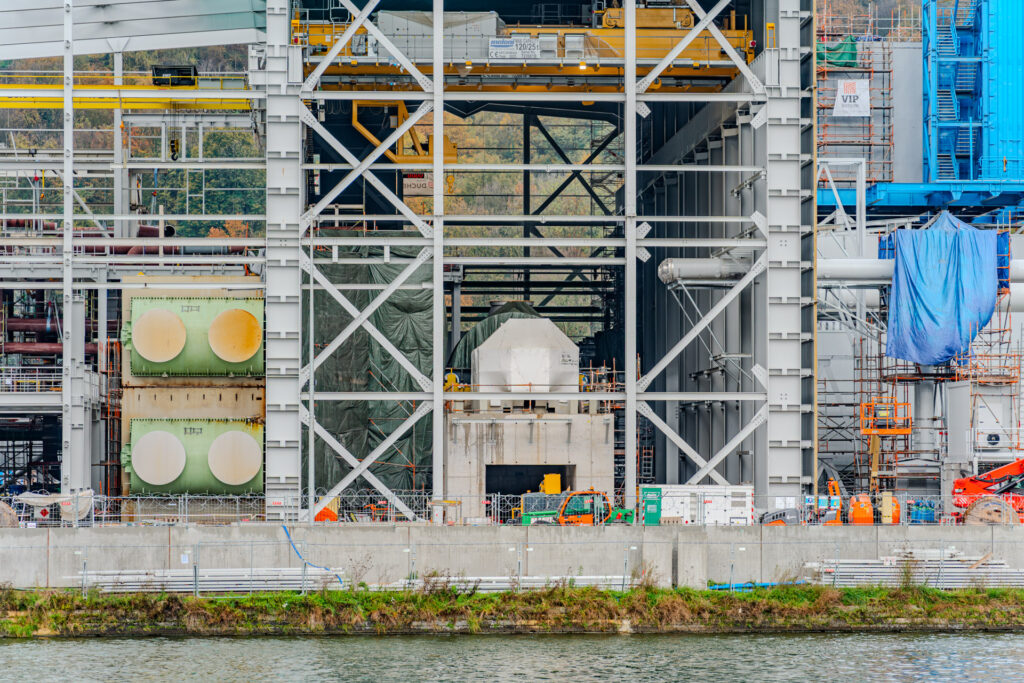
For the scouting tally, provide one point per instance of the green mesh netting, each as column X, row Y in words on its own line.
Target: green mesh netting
column 361, row 364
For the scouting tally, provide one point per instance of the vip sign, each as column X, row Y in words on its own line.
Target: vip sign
column 853, row 98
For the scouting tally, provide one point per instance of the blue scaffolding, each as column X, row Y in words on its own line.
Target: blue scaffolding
column 973, row 111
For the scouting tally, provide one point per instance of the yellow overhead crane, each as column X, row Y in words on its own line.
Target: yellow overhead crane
column 659, row 29
column 422, row 149
column 97, row 91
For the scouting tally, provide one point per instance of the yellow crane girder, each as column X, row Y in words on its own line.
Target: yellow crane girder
column 38, row 96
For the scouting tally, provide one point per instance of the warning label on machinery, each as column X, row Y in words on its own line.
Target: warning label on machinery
column 514, row 48
column 853, row 98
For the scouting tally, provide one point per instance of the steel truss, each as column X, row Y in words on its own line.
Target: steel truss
column 769, row 219
column 774, row 224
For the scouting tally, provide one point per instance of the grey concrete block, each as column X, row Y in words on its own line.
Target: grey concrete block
column 24, row 557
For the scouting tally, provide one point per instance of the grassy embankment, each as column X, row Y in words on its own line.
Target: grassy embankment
column 555, row 610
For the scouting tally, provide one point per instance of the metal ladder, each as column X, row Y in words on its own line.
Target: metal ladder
column 966, row 76
column 946, row 40
column 947, row 168
column 966, row 12
column 946, row 105
column 964, row 140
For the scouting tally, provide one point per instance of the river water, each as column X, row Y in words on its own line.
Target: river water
column 985, row 657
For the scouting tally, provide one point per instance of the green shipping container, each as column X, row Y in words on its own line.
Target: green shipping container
column 651, row 499
column 195, row 337
column 194, row 456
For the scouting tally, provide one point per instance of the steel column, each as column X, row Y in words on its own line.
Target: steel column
column 630, row 275
column 284, row 320
column 438, row 335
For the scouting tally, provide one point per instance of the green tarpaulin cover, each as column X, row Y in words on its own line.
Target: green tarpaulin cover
column 843, row 54
column 362, row 364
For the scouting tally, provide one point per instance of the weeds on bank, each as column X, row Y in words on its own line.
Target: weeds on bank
column 442, row 604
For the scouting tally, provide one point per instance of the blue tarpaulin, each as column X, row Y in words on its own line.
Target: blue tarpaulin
column 944, row 288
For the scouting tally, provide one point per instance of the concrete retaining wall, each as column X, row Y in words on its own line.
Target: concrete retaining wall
column 679, row 556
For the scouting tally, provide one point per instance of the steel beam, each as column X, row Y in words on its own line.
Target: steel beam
column 630, row 275
column 759, row 267
column 647, row 411
column 370, row 328
column 376, row 483
column 285, row 202
column 437, row 254
column 666, row 61
column 307, row 218
column 403, row 208
column 364, row 315
column 339, row 44
column 708, row 468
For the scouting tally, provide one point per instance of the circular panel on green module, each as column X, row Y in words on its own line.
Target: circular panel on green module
column 158, row 335
column 158, row 458
column 235, row 457
column 235, row 335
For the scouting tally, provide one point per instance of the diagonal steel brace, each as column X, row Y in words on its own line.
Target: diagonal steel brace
column 414, row 372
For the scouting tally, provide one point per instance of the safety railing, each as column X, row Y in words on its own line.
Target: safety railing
column 371, row 508
column 517, row 46
column 29, row 380
column 885, row 418
column 129, row 81
column 992, row 441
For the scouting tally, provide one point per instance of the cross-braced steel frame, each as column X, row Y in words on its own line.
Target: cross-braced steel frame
column 771, row 182
column 774, row 226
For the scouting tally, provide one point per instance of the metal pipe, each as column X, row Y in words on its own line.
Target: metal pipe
column 855, row 269
column 41, row 348
column 847, row 297
column 831, row 271
column 673, row 269
column 42, row 325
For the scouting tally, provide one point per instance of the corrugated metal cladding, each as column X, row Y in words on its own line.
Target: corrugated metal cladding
column 35, row 28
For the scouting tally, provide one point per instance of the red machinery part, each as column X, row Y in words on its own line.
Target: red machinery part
column 998, row 482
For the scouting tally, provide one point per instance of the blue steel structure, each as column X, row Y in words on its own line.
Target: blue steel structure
column 954, row 44
column 973, row 111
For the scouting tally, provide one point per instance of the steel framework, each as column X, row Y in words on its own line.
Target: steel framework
column 753, row 141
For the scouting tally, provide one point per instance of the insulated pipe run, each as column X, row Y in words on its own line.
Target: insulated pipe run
column 674, row 269
column 853, row 270
column 848, row 297
column 831, row 271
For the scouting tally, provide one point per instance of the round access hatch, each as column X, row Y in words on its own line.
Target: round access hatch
column 158, row 335
column 235, row 458
column 158, row 458
column 235, row 335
